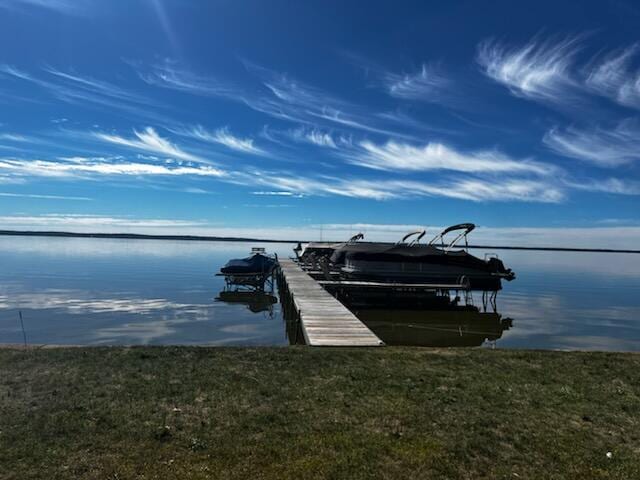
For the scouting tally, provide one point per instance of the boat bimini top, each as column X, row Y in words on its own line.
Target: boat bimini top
column 419, row 233
column 466, row 227
column 356, row 237
column 438, row 240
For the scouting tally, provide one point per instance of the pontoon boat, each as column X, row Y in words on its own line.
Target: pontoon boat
column 409, row 261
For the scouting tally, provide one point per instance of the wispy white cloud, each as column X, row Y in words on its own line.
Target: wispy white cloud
column 68, row 7
column 476, row 190
column 98, row 167
column 289, row 182
column 83, row 90
column 149, row 141
column 607, row 185
column 279, row 96
column 547, row 70
column 395, row 156
column 267, row 205
column 428, row 84
column 278, row 193
column 224, row 137
column 603, row 147
column 13, row 137
column 613, row 76
column 43, row 197
column 168, row 74
column 98, row 87
column 400, row 117
column 159, row 7
column 314, row 136
column 51, row 220
column 294, row 101
column 541, row 69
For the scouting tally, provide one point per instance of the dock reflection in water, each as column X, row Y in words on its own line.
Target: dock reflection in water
column 455, row 327
column 435, row 321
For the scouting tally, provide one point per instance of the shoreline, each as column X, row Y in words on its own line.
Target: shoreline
column 178, row 346
column 206, row 238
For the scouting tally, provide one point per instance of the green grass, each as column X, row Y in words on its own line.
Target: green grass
column 125, row 413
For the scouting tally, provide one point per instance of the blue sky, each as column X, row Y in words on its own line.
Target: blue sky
column 275, row 118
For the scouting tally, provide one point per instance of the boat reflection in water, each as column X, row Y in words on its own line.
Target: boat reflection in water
column 254, row 300
column 465, row 326
column 441, row 321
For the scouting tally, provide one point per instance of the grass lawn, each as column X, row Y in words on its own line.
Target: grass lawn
column 303, row 413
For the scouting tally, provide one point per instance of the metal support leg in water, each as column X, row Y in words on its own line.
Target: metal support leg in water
column 494, row 301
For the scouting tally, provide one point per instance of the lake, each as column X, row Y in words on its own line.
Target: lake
column 76, row 291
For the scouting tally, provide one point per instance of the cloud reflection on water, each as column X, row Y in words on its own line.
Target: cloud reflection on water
column 95, row 291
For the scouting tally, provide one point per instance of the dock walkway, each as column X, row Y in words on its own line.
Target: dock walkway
column 325, row 321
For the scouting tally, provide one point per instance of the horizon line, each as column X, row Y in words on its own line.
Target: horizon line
column 144, row 236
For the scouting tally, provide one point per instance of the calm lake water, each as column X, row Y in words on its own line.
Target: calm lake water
column 103, row 292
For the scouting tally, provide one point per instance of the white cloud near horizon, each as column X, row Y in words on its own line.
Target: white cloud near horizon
column 539, row 69
column 613, row 147
column 622, row 237
column 95, row 220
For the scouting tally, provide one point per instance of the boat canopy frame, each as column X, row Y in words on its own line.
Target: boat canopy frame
column 419, row 233
column 355, row 238
column 466, row 229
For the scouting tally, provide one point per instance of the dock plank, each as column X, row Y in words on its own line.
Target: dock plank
column 325, row 321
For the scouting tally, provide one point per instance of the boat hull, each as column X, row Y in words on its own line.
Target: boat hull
column 419, row 272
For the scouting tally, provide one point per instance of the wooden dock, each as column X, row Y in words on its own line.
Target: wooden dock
column 324, row 320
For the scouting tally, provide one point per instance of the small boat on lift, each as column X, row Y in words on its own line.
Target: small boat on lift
column 409, row 261
column 251, row 272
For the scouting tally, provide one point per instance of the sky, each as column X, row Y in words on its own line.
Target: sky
column 316, row 119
